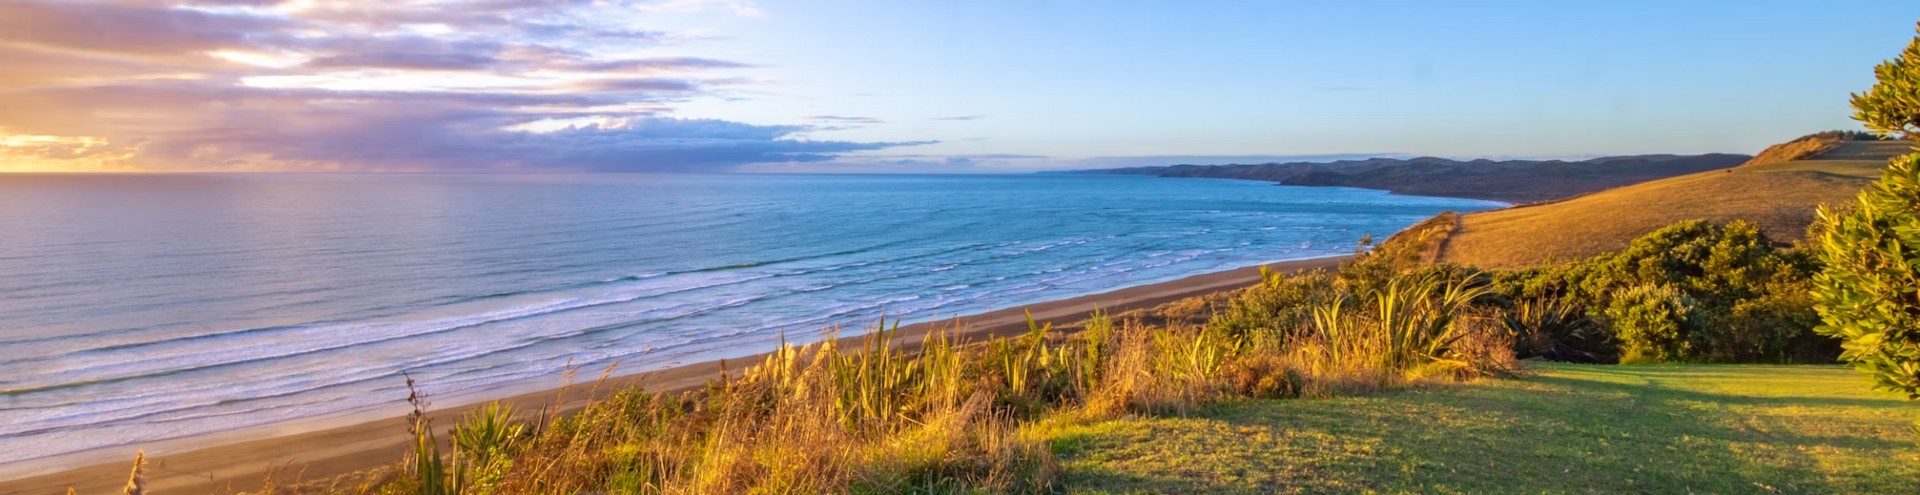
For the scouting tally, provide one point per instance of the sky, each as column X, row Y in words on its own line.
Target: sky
column 911, row 86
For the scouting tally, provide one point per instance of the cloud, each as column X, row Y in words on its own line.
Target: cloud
column 960, row 117
column 740, row 8
column 660, row 64
column 972, row 156
column 845, row 119
column 490, row 85
column 132, row 30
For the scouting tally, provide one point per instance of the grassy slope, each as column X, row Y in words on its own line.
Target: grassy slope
column 1780, row 197
column 1568, row 429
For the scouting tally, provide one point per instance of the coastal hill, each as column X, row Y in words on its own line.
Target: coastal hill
column 1512, row 181
column 1778, row 190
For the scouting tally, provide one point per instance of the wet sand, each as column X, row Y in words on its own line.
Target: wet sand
column 329, row 452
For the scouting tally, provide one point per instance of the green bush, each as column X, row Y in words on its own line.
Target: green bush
column 1262, row 315
column 1745, row 300
column 1654, row 324
column 1776, row 326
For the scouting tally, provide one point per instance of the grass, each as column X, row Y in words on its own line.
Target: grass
column 1566, row 429
column 953, row 418
column 1808, row 146
column 1780, row 197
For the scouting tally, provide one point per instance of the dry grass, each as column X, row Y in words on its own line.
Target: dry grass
column 951, row 418
column 816, row 419
column 1780, row 197
column 1428, row 238
column 1850, row 158
column 948, row 418
column 1798, row 149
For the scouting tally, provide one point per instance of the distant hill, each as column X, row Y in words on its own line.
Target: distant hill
column 1778, row 190
column 1513, row 181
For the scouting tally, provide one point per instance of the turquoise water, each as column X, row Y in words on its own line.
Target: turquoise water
column 139, row 308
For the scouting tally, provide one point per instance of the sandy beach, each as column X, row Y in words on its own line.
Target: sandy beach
column 324, row 453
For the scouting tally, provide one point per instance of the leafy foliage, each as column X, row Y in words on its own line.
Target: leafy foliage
column 1693, row 291
column 1558, row 329
column 1653, row 323
column 1869, row 293
column 1892, row 105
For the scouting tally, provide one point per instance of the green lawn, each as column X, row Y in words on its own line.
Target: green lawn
column 1566, row 429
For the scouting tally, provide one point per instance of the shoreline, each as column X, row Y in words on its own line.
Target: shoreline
column 221, row 461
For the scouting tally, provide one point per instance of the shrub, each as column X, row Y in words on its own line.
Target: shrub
column 1487, row 349
column 1743, row 294
column 1653, row 323
column 1558, row 329
column 1265, row 376
column 1265, row 313
column 1773, row 327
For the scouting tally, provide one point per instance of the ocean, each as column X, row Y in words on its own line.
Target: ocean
column 135, row 309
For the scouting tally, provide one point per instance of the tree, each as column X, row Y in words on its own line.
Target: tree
column 1868, row 294
column 1892, row 105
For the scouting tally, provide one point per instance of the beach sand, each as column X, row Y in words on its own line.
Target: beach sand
column 329, row 452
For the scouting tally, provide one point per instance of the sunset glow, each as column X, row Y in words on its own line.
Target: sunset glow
column 759, row 85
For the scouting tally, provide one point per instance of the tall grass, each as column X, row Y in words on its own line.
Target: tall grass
column 879, row 418
column 952, row 417
column 873, row 418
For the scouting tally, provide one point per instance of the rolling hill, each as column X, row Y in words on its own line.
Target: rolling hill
column 1513, row 181
column 1778, row 190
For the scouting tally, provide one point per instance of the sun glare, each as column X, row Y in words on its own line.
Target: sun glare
column 269, row 60
column 43, row 153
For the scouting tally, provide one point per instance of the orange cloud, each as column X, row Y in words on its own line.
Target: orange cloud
column 371, row 85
